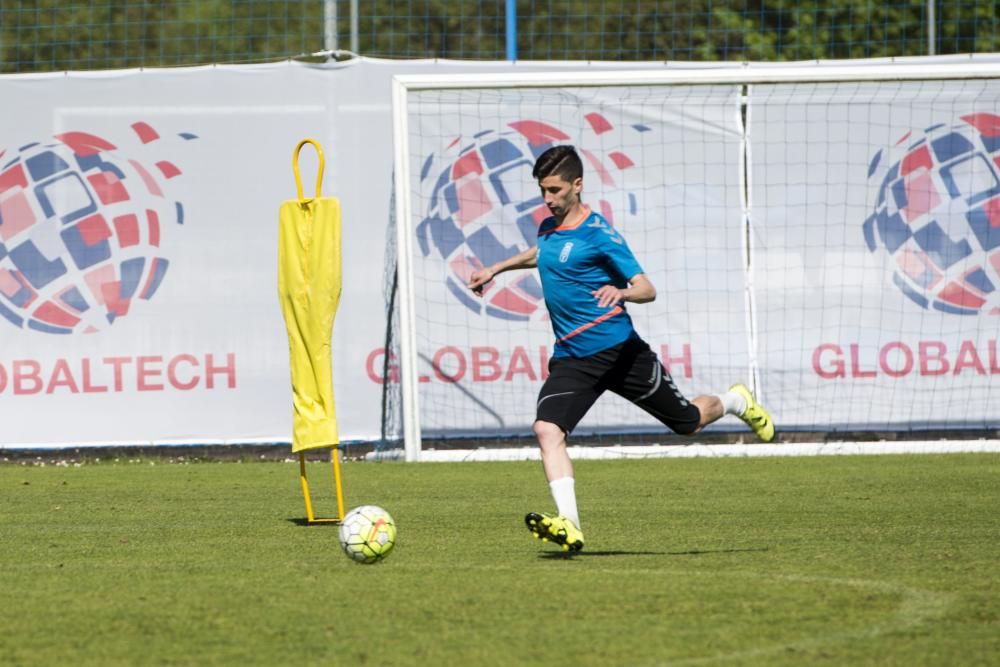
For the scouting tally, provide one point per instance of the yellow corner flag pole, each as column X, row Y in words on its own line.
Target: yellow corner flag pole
column 309, row 284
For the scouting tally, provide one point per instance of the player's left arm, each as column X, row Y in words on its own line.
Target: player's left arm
column 639, row 290
column 622, row 262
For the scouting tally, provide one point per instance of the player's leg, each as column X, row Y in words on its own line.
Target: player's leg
column 641, row 378
column 567, row 394
column 552, row 443
column 716, row 406
column 558, row 469
column 750, row 411
column 710, row 408
column 563, row 528
column 739, row 402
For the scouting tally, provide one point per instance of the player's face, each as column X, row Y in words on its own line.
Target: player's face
column 560, row 195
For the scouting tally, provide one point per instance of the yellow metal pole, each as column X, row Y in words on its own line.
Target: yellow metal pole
column 305, row 487
column 338, row 486
column 335, row 459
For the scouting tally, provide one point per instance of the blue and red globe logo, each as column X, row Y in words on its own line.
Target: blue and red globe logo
column 81, row 230
column 937, row 214
column 483, row 205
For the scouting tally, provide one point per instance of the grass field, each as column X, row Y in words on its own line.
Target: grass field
column 891, row 560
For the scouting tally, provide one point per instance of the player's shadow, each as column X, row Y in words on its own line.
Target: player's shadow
column 565, row 555
column 557, row 555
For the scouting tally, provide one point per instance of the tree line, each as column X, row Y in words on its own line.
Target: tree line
column 55, row 35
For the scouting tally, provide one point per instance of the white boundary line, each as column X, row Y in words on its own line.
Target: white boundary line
column 699, row 450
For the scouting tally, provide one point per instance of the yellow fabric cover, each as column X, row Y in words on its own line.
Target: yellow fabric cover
column 309, row 284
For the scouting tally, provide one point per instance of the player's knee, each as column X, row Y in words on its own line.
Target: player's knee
column 547, row 432
column 691, row 424
column 687, row 428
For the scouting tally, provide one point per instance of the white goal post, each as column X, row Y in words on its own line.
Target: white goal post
column 833, row 231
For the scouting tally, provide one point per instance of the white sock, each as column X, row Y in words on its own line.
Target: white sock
column 733, row 403
column 564, row 493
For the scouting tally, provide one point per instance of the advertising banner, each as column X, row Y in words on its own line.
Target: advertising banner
column 139, row 243
column 875, row 212
column 138, row 247
column 139, row 250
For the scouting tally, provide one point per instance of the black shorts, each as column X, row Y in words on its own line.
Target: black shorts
column 630, row 370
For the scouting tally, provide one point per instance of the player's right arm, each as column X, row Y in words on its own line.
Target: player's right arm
column 522, row 260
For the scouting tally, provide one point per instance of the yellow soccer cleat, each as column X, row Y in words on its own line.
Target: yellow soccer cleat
column 556, row 529
column 755, row 416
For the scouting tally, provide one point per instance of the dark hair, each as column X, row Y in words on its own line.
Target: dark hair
column 560, row 160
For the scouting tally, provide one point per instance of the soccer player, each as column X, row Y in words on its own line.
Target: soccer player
column 588, row 273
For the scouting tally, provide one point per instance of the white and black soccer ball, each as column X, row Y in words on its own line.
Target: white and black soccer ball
column 367, row 534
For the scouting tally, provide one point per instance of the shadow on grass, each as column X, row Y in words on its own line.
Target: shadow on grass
column 556, row 555
column 305, row 522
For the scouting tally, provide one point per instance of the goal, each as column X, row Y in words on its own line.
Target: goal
column 829, row 234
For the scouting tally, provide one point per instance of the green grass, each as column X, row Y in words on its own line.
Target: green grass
column 887, row 560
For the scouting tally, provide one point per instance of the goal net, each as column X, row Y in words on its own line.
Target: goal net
column 828, row 235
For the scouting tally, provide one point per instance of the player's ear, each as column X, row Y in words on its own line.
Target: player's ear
column 578, row 184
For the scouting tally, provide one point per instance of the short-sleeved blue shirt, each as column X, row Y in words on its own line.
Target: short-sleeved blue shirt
column 575, row 259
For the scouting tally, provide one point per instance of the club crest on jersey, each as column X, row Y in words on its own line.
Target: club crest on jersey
column 566, row 250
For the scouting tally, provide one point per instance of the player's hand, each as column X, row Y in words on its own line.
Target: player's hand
column 608, row 296
column 478, row 280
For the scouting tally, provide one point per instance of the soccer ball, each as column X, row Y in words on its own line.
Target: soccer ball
column 937, row 215
column 367, row 534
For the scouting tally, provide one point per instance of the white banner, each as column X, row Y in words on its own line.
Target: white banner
column 138, row 250
column 876, row 223
column 141, row 207
column 138, row 247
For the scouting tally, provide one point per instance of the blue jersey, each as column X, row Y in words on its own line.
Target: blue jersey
column 575, row 259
